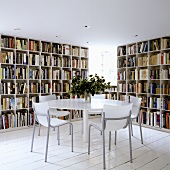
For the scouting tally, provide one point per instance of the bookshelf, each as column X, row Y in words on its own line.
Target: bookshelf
column 143, row 70
column 30, row 68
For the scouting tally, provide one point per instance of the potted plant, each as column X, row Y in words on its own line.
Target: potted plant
column 88, row 86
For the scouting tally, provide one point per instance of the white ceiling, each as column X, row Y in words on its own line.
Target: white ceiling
column 112, row 22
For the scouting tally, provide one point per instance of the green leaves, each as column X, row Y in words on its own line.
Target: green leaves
column 91, row 84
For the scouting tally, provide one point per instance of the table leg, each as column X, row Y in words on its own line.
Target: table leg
column 85, row 125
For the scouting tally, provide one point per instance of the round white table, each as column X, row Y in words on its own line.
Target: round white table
column 80, row 104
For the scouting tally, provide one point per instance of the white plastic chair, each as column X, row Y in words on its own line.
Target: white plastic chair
column 53, row 110
column 42, row 114
column 136, row 113
column 95, row 111
column 113, row 119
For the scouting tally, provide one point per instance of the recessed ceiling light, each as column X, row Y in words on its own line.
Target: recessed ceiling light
column 88, row 42
column 17, row 29
column 87, row 26
column 136, row 35
column 57, row 36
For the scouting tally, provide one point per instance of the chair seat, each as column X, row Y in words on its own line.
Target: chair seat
column 53, row 111
column 99, row 125
column 133, row 116
column 57, row 122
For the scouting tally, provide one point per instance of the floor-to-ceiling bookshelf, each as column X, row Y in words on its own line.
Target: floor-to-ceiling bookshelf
column 29, row 68
column 144, row 71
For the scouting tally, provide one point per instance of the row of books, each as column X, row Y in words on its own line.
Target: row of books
column 156, row 59
column 7, row 42
column 131, row 87
column 131, row 62
column 45, row 60
column 45, row 87
column 121, row 63
column 56, row 75
column 131, row 75
column 34, row 73
column 21, row 58
column 21, row 73
column 121, row 75
column 57, row 48
column 21, row 44
column 11, row 103
column 18, row 119
column 112, row 96
column 66, row 62
column 84, row 63
column 159, row 103
column 45, row 73
column 10, row 72
column 122, row 87
column 34, row 45
column 154, row 118
column 142, row 61
column 13, row 88
column 7, row 72
column 46, row 47
column 56, row 61
column 145, row 87
column 66, row 74
column 56, row 87
column 144, row 74
column 75, row 63
column 7, row 57
column 34, row 59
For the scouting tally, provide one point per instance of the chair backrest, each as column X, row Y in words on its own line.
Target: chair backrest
column 47, row 98
column 136, row 105
column 121, row 113
column 98, row 96
column 41, row 108
column 127, row 98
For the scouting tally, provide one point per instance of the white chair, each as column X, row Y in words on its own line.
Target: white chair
column 136, row 113
column 113, row 119
column 53, row 110
column 42, row 114
column 95, row 111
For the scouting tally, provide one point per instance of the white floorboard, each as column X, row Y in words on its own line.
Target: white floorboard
column 15, row 153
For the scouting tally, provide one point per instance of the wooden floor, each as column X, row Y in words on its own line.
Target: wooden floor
column 15, row 153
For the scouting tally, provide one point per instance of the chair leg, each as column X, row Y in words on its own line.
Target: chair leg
column 130, row 143
column 115, row 137
column 58, row 135
column 89, row 141
column 104, row 160
column 39, row 130
column 33, row 136
column 48, row 132
column 71, row 127
column 53, row 129
column 131, row 127
column 140, row 130
column 109, row 140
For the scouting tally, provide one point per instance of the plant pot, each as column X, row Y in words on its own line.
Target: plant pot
column 87, row 97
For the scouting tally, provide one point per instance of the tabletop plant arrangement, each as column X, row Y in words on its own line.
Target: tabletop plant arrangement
column 88, row 86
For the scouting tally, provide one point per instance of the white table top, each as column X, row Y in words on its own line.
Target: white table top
column 80, row 104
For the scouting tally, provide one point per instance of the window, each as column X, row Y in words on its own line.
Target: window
column 104, row 63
